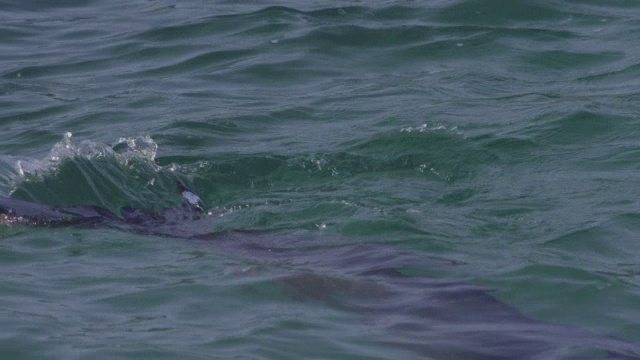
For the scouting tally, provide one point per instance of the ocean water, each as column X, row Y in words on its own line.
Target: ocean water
column 386, row 179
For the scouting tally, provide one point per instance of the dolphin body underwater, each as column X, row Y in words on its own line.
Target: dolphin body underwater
column 422, row 316
column 15, row 211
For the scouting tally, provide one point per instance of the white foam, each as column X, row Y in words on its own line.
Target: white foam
column 136, row 146
column 437, row 127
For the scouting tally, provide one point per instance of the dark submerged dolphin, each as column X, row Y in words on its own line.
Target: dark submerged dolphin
column 16, row 211
column 424, row 316
column 433, row 318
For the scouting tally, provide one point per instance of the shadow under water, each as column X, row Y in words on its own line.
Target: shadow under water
column 422, row 315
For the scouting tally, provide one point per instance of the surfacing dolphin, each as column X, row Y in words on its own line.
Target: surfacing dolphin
column 15, row 211
column 427, row 317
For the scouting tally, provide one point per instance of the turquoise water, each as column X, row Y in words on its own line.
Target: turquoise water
column 480, row 142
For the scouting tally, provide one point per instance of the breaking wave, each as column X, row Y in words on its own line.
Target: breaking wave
column 88, row 172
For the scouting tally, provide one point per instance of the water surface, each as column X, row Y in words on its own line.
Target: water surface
column 471, row 142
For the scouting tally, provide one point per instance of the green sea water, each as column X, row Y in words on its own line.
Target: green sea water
column 491, row 143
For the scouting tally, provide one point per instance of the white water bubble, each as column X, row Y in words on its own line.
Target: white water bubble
column 427, row 127
column 66, row 137
column 132, row 147
column 19, row 167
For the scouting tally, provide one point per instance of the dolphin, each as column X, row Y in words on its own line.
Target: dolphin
column 15, row 211
column 424, row 316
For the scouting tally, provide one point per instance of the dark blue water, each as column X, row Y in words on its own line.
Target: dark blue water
column 388, row 163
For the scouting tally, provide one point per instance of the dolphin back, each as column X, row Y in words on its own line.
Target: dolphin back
column 16, row 211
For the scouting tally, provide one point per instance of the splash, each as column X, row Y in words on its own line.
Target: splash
column 124, row 151
column 135, row 147
column 91, row 172
column 426, row 127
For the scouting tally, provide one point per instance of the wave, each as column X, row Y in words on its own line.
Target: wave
column 92, row 173
column 311, row 187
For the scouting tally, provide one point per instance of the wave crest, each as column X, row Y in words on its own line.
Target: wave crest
column 89, row 172
column 124, row 150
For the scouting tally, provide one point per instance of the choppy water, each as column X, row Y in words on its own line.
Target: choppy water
column 392, row 159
